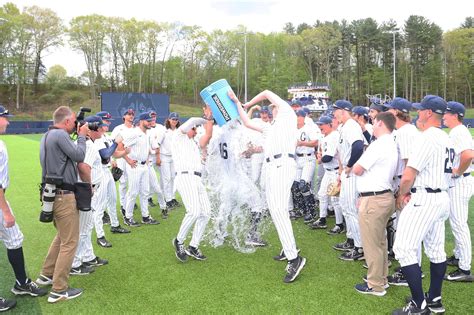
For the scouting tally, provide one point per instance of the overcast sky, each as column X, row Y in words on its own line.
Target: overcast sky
column 263, row 16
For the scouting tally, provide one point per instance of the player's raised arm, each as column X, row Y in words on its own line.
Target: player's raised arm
column 243, row 115
column 191, row 123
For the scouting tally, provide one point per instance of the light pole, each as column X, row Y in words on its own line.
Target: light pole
column 394, row 32
column 245, row 65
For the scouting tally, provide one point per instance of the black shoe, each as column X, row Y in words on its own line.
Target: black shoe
column 434, row 305
column 6, row 305
column 336, row 230
column 460, row 275
column 397, row 279
column 354, row 255
column 29, row 288
column 130, row 222
column 364, row 289
column 319, row 224
column 282, row 256
column 170, row 205
column 309, row 218
column 96, row 262
column 344, row 246
column 118, row 229
column 412, row 309
column 179, row 251
column 195, row 252
column 69, row 294
column 164, row 213
column 294, row 268
column 149, row 220
column 101, row 241
column 331, row 213
column 106, row 218
column 44, row 280
column 151, row 203
column 175, row 203
column 452, row 261
column 82, row 270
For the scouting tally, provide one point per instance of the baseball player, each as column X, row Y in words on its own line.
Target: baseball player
column 361, row 115
column 167, row 171
column 10, row 232
column 329, row 157
column 423, row 196
column 188, row 165
column 307, row 140
column 460, row 192
column 90, row 171
column 280, row 169
column 123, row 129
column 107, row 194
column 351, row 147
column 138, row 171
column 155, row 136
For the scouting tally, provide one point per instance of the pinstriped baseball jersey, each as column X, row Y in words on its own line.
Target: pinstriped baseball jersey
column 156, row 136
column 4, row 178
column 461, row 140
column 350, row 133
column 186, row 154
column 431, row 157
column 280, row 135
column 405, row 137
column 94, row 161
column 329, row 146
column 139, row 144
column 165, row 147
column 308, row 132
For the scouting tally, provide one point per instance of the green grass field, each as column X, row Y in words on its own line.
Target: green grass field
column 144, row 276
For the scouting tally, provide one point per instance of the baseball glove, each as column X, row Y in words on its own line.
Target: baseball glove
column 333, row 189
column 116, row 173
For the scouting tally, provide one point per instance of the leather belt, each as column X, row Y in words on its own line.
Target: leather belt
column 466, row 174
column 63, row 192
column 303, row 154
column 427, row 189
column 142, row 162
column 374, row 193
column 332, row 169
column 277, row 156
column 190, row 172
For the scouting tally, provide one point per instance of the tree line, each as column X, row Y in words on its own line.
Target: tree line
column 355, row 58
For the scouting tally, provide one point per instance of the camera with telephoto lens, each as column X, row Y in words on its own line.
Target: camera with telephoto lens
column 48, row 195
column 80, row 119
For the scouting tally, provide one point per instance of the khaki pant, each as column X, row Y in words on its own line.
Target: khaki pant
column 61, row 253
column 374, row 213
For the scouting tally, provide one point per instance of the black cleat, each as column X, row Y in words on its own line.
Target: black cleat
column 69, row 294
column 96, row 262
column 149, row 220
column 452, row 261
column 118, row 230
column 336, row 230
column 164, row 213
column 6, row 305
column 309, row 218
column 29, row 288
column 397, row 279
column 101, row 241
column 357, row 253
column 130, row 222
column 179, row 250
column 175, row 203
column 151, row 203
column 319, row 224
column 459, row 275
column 294, row 268
column 82, row 270
column 434, row 305
column 412, row 309
column 195, row 253
column 344, row 246
column 170, row 205
column 105, row 218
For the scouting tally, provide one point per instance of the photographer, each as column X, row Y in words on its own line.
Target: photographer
column 58, row 157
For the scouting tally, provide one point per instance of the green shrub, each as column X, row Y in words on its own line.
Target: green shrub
column 48, row 98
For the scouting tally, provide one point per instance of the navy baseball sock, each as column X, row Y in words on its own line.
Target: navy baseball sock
column 412, row 274
column 437, row 273
column 17, row 260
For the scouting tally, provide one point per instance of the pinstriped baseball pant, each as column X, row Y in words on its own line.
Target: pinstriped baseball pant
column 12, row 237
column 84, row 251
column 348, row 200
column 198, row 208
column 329, row 177
column 105, row 197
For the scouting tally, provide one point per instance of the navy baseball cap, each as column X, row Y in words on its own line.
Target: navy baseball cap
column 306, row 110
column 173, row 115
column 129, row 111
column 324, row 120
column 342, row 104
column 265, row 109
column 456, row 108
column 361, row 111
column 152, row 113
column 146, row 116
column 300, row 113
column 432, row 102
column 104, row 115
column 95, row 119
column 401, row 104
column 296, row 103
column 377, row 107
column 4, row 112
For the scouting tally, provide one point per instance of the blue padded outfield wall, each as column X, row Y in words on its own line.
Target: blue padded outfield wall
column 118, row 103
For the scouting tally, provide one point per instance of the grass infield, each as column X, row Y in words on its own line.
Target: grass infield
column 143, row 275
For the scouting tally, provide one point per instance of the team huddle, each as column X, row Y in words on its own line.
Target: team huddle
column 391, row 186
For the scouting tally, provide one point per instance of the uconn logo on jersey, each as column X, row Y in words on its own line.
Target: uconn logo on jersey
column 303, row 136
